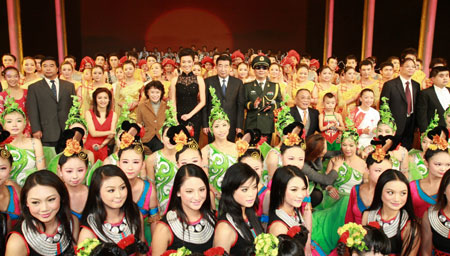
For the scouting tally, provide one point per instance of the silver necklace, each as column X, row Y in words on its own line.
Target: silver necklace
column 389, row 228
column 439, row 222
column 46, row 245
column 199, row 233
column 114, row 233
column 289, row 220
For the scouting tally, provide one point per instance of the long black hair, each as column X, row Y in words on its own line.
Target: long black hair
column 95, row 205
column 279, row 183
column 48, row 179
column 377, row 203
column 235, row 176
column 175, row 204
column 442, row 199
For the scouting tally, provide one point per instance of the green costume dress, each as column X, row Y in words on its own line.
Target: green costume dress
column 165, row 171
column 24, row 163
column 417, row 168
column 332, row 216
column 218, row 164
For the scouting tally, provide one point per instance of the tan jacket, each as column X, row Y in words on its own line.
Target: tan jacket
column 152, row 122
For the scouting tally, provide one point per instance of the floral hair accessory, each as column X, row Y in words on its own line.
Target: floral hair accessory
column 447, row 112
column 11, row 106
column 215, row 251
column 241, row 146
column 438, row 143
column 292, row 139
column 181, row 140
column 350, row 132
column 294, row 231
column 386, row 115
column 433, row 124
column 74, row 113
column 180, row 252
column 171, row 117
column 283, row 117
column 266, row 245
column 126, row 140
column 87, row 246
column 379, row 153
column 217, row 113
column 352, row 235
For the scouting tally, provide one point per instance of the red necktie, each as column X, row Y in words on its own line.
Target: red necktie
column 408, row 98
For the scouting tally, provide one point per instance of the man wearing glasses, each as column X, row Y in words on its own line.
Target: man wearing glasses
column 262, row 97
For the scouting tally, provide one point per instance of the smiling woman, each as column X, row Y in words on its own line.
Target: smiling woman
column 168, row 30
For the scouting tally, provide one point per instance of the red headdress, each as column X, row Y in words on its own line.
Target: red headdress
column 295, row 54
column 122, row 60
column 237, row 54
column 314, row 63
column 168, row 61
column 142, row 62
column 85, row 60
column 207, row 59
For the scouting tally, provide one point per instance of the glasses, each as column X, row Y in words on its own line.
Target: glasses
column 261, row 67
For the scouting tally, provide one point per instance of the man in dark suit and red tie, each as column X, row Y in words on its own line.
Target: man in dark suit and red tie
column 303, row 113
column 230, row 92
column 434, row 98
column 402, row 94
column 48, row 103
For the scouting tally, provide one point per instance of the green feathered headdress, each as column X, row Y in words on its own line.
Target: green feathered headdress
column 433, row 124
column 11, row 106
column 217, row 112
column 386, row 115
column 350, row 132
column 447, row 112
column 124, row 114
column 171, row 117
column 74, row 113
column 283, row 117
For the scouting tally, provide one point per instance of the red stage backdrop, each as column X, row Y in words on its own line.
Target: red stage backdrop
column 113, row 25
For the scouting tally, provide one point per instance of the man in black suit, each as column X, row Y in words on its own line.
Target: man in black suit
column 48, row 104
column 302, row 113
column 436, row 97
column 402, row 94
column 230, row 92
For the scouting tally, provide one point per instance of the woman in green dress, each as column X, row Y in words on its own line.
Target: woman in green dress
column 28, row 155
column 221, row 153
column 351, row 171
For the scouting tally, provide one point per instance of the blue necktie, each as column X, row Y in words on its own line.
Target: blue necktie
column 54, row 88
column 224, row 87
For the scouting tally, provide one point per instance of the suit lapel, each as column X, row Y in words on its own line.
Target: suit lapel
column 399, row 86
column 47, row 88
column 218, row 87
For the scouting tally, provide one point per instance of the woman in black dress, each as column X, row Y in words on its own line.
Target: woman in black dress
column 188, row 92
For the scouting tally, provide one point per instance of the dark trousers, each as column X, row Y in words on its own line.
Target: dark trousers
column 407, row 137
column 154, row 144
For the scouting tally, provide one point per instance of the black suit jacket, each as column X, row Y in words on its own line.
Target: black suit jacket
column 313, row 115
column 427, row 103
column 45, row 113
column 393, row 90
column 232, row 103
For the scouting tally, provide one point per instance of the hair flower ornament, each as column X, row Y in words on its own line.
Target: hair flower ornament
column 72, row 147
column 126, row 140
column 242, row 146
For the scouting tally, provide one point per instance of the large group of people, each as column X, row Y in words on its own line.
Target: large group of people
column 206, row 153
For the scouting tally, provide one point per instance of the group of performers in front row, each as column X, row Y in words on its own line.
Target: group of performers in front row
column 220, row 200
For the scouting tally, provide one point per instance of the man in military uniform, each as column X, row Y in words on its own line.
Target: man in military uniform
column 262, row 97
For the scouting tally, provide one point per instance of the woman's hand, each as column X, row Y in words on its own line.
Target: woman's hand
column 186, row 117
column 333, row 192
column 337, row 162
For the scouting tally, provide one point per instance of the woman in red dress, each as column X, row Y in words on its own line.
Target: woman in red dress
column 101, row 121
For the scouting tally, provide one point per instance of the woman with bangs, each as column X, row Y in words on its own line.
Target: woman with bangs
column 237, row 216
column 189, row 221
column 30, row 75
column 393, row 210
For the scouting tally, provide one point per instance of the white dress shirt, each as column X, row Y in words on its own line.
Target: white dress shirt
column 56, row 84
column 443, row 96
